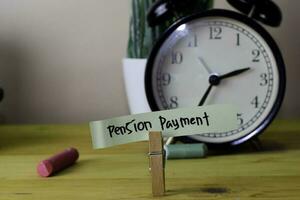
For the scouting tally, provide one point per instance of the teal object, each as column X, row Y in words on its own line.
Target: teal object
column 185, row 151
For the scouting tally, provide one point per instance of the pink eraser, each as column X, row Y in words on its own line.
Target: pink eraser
column 57, row 162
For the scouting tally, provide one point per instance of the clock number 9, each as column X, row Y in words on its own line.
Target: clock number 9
column 264, row 79
column 215, row 33
column 174, row 102
column 166, row 79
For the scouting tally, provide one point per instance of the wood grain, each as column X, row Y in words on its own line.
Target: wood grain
column 155, row 142
column 122, row 172
column 156, row 160
column 157, row 175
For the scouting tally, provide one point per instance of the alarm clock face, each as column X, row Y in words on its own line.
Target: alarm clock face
column 218, row 57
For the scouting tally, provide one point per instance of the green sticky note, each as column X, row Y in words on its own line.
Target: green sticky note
column 172, row 123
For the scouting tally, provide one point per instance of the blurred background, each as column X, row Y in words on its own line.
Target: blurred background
column 61, row 61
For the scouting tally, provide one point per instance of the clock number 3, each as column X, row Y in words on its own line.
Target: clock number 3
column 264, row 79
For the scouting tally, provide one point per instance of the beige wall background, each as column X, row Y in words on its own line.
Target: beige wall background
column 61, row 61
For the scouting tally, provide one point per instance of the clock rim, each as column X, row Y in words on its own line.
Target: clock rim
column 261, row 31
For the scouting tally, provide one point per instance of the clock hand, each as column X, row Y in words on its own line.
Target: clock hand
column 205, row 95
column 205, row 65
column 215, row 80
column 233, row 73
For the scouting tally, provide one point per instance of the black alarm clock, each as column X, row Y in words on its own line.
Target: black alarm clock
column 219, row 57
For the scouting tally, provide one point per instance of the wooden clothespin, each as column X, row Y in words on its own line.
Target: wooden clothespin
column 156, row 159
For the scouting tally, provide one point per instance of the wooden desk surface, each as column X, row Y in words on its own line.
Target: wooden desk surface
column 122, row 172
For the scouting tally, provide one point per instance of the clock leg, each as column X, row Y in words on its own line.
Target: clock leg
column 256, row 144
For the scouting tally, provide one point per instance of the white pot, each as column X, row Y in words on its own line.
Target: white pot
column 134, row 77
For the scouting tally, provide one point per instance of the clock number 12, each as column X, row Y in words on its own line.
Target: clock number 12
column 215, row 33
